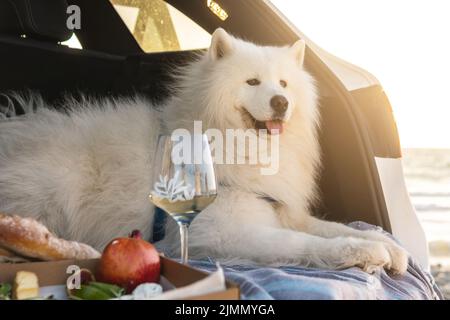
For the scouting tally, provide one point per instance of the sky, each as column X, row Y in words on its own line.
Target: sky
column 404, row 43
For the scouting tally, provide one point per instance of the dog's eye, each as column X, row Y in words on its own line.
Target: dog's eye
column 253, row 82
column 283, row 83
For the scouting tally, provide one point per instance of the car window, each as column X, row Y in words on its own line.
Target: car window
column 157, row 26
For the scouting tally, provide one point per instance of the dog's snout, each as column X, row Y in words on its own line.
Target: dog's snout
column 279, row 104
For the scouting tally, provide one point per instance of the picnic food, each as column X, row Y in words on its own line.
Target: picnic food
column 96, row 291
column 5, row 291
column 28, row 237
column 6, row 253
column 129, row 262
column 26, row 285
column 10, row 257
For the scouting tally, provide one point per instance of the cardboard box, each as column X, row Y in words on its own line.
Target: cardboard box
column 55, row 273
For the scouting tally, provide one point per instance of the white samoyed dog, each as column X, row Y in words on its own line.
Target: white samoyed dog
column 86, row 173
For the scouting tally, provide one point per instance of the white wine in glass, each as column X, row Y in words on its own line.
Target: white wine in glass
column 184, row 181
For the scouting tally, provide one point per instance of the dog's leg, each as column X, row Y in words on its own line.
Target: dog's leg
column 280, row 246
column 327, row 229
column 241, row 226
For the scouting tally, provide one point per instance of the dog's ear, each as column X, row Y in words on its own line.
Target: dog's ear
column 221, row 44
column 298, row 49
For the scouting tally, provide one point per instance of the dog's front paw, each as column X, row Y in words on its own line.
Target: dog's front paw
column 366, row 254
column 399, row 258
column 398, row 255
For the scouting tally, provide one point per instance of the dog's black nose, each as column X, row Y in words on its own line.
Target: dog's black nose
column 279, row 104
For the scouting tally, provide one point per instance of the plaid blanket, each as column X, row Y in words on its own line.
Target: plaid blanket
column 298, row 283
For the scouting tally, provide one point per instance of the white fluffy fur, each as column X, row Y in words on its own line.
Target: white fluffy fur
column 86, row 174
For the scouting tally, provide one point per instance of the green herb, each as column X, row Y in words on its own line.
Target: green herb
column 114, row 290
column 5, row 291
column 96, row 291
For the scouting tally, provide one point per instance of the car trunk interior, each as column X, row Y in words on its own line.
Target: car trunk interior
column 349, row 185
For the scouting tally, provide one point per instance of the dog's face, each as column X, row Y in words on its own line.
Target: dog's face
column 258, row 87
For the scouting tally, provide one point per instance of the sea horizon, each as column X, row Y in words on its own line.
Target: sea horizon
column 427, row 176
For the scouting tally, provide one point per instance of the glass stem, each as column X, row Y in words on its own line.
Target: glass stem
column 184, row 242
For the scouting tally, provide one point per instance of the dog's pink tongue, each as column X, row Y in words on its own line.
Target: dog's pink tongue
column 274, row 127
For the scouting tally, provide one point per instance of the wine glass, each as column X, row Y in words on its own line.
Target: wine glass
column 184, row 181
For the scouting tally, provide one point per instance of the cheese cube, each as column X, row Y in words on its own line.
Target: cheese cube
column 26, row 285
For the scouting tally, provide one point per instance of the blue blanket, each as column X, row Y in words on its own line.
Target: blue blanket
column 298, row 283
